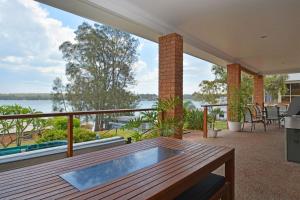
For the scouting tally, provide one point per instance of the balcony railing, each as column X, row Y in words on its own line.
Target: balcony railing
column 205, row 116
column 70, row 116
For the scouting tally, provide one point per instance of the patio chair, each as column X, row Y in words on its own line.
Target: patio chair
column 249, row 118
column 213, row 187
column 258, row 111
column 272, row 114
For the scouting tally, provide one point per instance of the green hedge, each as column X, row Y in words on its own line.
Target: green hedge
column 193, row 119
column 61, row 123
column 80, row 135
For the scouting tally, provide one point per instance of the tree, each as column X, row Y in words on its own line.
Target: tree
column 211, row 91
column 58, row 96
column 15, row 130
column 275, row 84
column 99, row 69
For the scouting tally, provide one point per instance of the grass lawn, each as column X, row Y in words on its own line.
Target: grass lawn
column 24, row 142
column 116, row 132
column 221, row 125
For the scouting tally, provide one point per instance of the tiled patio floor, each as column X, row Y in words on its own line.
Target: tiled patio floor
column 261, row 170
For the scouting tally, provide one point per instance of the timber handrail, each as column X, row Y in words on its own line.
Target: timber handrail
column 70, row 116
column 57, row 114
column 205, row 116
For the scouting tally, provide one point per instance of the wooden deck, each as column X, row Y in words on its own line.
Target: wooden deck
column 164, row 180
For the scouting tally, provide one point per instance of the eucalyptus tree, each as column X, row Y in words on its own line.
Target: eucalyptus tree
column 99, row 69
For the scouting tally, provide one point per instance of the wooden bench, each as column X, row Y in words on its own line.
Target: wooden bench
column 212, row 187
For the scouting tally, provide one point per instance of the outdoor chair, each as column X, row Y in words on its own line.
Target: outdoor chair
column 272, row 114
column 249, row 118
column 212, row 187
column 258, row 112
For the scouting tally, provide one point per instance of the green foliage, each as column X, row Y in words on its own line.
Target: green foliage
column 113, row 132
column 236, row 105
column 193, row 119
column 137, row 136
column 275, row 84
column 83, row 135
column 80, row 135
column 99, row 70
column 247, row 88
column 212, row 116
column 51, row 135
column 20, row 128
column 61, row 123
column 209, row 91
column 188, row 105
column 163, row 126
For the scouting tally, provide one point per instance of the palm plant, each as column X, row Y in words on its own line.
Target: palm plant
column 160, row 125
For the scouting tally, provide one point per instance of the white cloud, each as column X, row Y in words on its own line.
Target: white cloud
column 139, row 65
column 146, row 78
column 29, row 38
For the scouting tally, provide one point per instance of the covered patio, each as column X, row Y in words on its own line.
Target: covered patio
column 257, row 37
column 262, row 171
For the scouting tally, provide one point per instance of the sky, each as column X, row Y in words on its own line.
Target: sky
column 30, row 60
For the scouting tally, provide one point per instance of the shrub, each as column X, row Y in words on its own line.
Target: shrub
column 61, row 123
column 83, row 135
column 193, row 119
column 51, row 135
column 80, row 135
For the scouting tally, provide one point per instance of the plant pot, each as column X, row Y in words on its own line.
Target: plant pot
column 214, row 133
column 234, row 126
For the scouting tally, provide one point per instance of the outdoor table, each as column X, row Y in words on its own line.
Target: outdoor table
column 177, row 166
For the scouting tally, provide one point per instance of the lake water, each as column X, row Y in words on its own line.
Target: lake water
column 46, row 105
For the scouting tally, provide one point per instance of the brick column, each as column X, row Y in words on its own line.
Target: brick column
column 258, row 89
column 233, row 82
column 171, row 73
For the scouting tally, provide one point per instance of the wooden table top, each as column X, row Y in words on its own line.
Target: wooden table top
column 163, row 180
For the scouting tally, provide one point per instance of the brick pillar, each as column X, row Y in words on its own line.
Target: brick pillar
column 233, row 82
column 171, row 73
column 258, row 89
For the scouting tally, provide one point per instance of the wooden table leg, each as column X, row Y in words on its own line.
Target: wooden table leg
column 229, row 176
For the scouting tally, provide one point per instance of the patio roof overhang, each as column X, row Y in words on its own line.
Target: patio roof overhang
column 262, row 36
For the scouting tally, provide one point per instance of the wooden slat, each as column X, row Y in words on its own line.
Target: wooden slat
column 159, row 181
column 142, row 174
column 38, row 177
column 66, row 188
column 52, row 166
column 180, row 181
column 147, row 184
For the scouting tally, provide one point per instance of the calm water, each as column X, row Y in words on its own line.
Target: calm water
column 46, row 105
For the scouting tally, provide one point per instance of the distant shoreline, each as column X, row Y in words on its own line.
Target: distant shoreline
column 25, row 96
column 47, row 96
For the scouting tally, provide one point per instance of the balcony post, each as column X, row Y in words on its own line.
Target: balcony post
column 70, row 136
column 233, row 83
column 205, row 130
column 258, row 89
column 171, row 75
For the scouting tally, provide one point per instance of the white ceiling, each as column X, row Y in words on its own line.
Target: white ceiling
column 220, row 31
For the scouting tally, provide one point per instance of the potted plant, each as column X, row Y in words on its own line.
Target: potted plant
column 235, row 108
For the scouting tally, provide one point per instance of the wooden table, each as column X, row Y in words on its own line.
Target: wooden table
column 164, row 180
